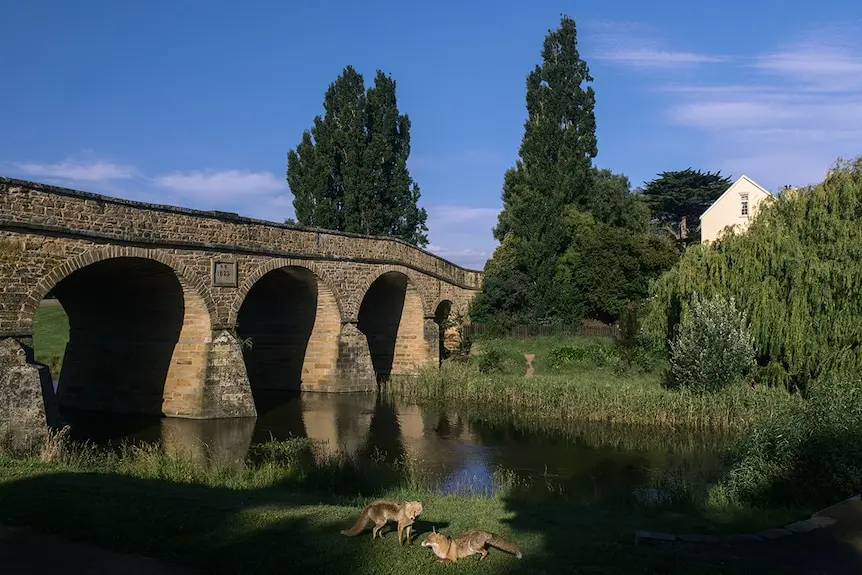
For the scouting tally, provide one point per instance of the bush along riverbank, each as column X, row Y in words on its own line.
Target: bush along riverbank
column 285, row 505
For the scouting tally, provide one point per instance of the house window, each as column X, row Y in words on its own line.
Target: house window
column 744, row 206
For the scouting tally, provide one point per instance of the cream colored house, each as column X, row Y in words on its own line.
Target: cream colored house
column 734, row 208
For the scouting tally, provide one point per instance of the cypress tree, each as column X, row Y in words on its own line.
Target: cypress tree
column 674, row 197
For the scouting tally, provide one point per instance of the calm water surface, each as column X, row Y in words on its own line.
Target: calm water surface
column 455, row 449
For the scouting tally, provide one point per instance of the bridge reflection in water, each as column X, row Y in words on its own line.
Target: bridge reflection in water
column 452, row 449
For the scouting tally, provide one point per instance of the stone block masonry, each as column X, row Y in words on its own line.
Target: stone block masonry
column 187, row 313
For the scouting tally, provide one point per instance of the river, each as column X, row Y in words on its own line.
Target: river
column 455, row 450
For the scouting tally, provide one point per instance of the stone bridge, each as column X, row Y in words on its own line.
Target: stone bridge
column 190, row 313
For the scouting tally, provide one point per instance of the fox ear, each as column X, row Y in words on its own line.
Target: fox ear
column 433, row 529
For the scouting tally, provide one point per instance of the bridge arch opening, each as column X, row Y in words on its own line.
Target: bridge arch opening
column 136, row 343
column 447, row 334
column 291, row 321
column 392, row 318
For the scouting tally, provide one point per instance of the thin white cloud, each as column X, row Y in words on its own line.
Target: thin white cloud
column 800, row 111
column 92, row 171
column 647, row 58
column 462, row 214
column 636, row 44
column 218, row 184
column 253, row 194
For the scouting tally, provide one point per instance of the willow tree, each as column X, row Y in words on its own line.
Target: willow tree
column 797, row 272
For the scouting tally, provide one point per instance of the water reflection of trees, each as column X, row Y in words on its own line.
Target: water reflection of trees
column 447, row 445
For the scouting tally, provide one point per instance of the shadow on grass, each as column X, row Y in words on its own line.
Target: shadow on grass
column 211, row 530
column 568, row 533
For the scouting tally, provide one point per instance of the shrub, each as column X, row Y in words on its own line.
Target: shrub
column 491, row 361
column 580, row 356
column 713, row 348
column 809, row 452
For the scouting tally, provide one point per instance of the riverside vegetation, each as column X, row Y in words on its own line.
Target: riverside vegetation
column 285, row 505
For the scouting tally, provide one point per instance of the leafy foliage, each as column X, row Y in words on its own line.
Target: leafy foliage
column 796, row 273
column 492, row 362
column 554, row 171
column 714, row 348
column 569, row 356
column 349, row 171
column 605, row 267
column 808, row 452
column 574, row 240
column 673, row 196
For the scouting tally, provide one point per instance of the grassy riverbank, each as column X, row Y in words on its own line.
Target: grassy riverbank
column 283, row 508
column 593, row 386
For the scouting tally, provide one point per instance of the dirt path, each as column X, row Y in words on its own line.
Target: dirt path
column 26, row 552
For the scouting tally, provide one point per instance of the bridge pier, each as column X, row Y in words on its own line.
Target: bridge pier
column 354, row 370
column 432, row 340
column 226, row 390
column 28, row 405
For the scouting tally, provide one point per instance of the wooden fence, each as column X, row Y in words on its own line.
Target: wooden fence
column 594, row 329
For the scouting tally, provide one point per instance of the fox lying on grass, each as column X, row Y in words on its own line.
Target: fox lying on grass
column 381, row 511
column 474, row 541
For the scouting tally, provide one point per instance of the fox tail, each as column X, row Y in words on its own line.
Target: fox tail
column 504, row 544
column 359, row 525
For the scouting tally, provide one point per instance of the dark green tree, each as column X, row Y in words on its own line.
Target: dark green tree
column 682, row 196
column 554, row 171
column 606, row 267
column 349, row 171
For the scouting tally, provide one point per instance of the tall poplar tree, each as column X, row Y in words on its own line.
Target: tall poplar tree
column 349, row 171
column 554, row 171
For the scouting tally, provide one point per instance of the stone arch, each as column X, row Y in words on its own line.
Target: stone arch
column 189, row 280
column 292, row 319
column 391, row 314
column 140, row 329
column 365, row 284
column 278, row 263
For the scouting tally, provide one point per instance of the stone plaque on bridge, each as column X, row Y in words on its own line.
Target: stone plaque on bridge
column 224, row 274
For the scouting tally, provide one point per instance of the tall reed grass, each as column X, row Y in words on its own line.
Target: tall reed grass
column 593, row 395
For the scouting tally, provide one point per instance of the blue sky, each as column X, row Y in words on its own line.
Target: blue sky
column 196, row 103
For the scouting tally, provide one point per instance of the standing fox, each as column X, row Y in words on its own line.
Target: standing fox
column 381, row 511
column 474, row 541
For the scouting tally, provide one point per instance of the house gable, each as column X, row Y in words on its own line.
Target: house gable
column 741, row 182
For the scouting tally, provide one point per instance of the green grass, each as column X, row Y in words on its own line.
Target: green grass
column 585, row 391
column 279, row 511
column 50, row 334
